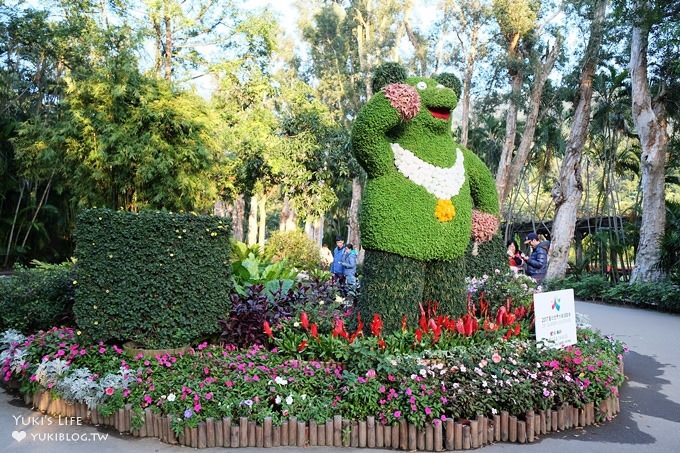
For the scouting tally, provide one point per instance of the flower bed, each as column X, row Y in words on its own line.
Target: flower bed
column 449, row 383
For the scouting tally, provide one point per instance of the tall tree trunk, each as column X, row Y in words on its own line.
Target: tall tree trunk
column 262, row 220
column 569, row 187
column 43, row 198
column 235, row 211
column 252, row 220
column 470, row 61
column 14, row 222
column 168, row 45
column 353, row 233
column 509, row 143
column 650, row 122
column 287, row 221
column 314, row 229
column 510, row 167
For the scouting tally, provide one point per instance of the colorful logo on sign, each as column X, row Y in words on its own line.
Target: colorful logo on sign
column 556, row 305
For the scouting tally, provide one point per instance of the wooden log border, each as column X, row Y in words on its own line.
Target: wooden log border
column 438, row 436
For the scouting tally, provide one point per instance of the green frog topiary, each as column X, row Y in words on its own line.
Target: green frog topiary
column 423, row 196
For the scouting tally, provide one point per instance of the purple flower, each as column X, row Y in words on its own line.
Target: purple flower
column 188, row 413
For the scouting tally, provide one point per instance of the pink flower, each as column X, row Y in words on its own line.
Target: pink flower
column 60, row 353
column 484, row 226
column 147, row 399
column 208, row 396
column 109, row 391
column 496, row 357
column 197, row 407
column 397, row 414
column 126, row 393
column 404, row 98
column 229, row 384
column 577, row 360
column 428, row 411
column 371, row 373
column 102, row 349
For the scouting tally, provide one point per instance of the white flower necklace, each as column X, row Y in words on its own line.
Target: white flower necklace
column 443, row 183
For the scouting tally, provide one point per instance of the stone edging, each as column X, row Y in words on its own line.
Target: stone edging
column 439, row 436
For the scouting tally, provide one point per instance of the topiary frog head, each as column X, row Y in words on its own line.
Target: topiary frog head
column 436, row 103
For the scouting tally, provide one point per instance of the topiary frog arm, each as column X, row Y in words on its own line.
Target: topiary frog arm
column 397, row 102
column 482, row 184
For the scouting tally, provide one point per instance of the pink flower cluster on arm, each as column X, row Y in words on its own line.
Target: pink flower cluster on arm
column 484, row 226
column 404, row 98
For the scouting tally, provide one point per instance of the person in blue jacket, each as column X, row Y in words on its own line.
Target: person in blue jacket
column 337, row 269
column 349, row 263
column 537, row 262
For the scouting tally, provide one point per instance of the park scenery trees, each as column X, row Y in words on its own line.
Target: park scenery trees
column 169, row 171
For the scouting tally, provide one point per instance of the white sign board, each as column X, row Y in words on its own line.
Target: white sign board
column 555, row 318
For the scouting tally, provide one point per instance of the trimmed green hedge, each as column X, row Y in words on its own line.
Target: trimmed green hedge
column 37, row 298
column 161, row 280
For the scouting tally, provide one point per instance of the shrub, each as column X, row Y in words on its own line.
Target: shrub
column 159, row 279
column 295, row 247
column 586, row 287
column 37, row 298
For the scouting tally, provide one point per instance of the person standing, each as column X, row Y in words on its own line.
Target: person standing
column 337, row 269
column 515, row 260
column 349, row 264
column 537, row 262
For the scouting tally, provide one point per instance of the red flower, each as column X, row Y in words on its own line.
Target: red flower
column 376, row 325
column 314, row 331
column 339, row 329
column 301, row 347
column 518, row 329
column 404, row 321
column 381, row 343
column 304, row 320
column 268, row 330
column 419, row 335
column 423, row 319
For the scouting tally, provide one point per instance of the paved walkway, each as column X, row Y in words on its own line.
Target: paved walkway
column 649, row 420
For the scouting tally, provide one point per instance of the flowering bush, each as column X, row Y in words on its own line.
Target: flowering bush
column 495, row 288
column 427, row 377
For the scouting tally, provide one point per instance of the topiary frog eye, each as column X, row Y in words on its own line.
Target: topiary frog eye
column 421, row 85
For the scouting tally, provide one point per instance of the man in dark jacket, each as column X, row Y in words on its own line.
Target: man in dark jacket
column 537, row 263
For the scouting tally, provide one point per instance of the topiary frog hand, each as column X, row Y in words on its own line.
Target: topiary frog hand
column 404, row 98
column 484, row 226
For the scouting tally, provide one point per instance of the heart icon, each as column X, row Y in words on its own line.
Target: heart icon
column 19, row 435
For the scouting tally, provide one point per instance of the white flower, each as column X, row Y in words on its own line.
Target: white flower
column 339, row 299
column 289, row 400
column 277, row 400
column 443, row 183
column 303, row 396
column 172, row 397
column 281, row 381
